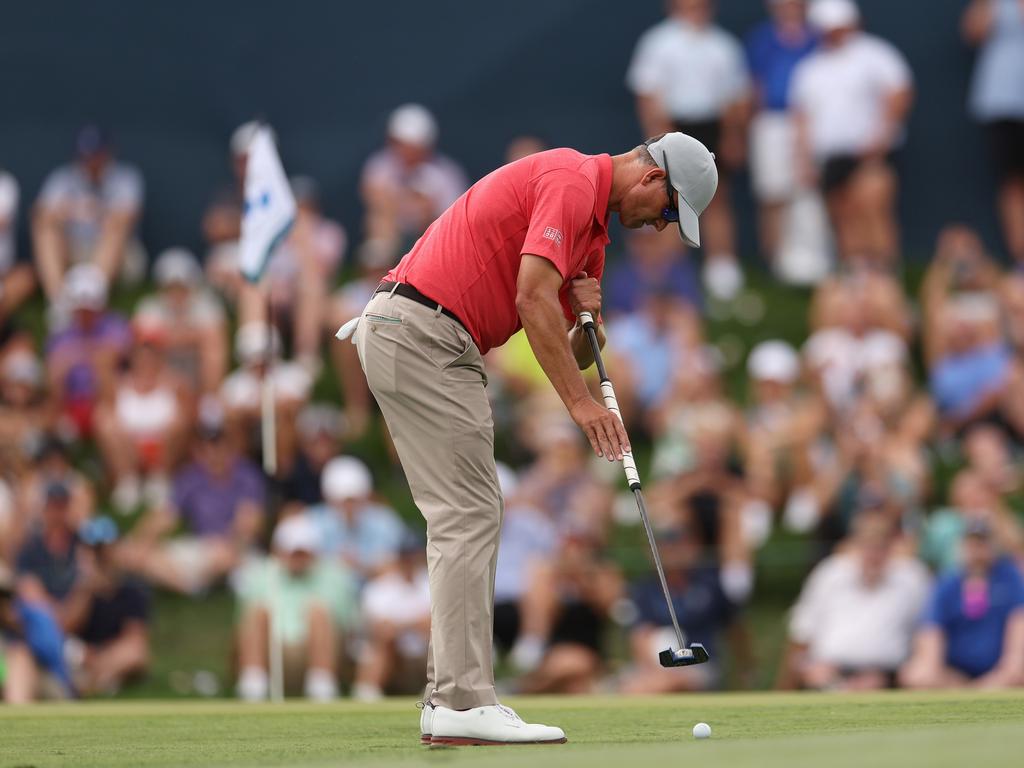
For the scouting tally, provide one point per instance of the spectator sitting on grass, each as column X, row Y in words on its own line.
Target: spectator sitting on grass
column 396, row 613
column 308, row 600
column 32, row 648
column 219, row 497
column 83, row 357
column 25, row 411
column 851, row 599
column 973, row 629
column 109, row 623
column 191, row 318
column 318, row 431
column 362, row 533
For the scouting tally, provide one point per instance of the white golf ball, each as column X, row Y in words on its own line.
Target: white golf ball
column 702, row 731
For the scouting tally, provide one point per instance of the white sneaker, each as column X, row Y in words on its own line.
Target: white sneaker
column 494, row 724
column 320, row 685
column 253, row 684
column 527, row 653
column 723, row 277
column 426, row 722
column 366, row 692
column 127, row 495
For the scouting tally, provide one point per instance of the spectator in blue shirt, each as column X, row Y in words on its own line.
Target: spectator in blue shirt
column 973, row 631
column 774, row 48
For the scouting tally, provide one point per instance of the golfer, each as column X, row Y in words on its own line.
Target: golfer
column 523, row 247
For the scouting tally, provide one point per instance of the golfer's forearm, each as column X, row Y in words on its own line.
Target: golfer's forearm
column 543, row 322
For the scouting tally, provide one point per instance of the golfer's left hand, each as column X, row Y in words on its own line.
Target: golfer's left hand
column 585, row 295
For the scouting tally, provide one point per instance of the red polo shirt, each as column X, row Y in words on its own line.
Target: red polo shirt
column 552, row 204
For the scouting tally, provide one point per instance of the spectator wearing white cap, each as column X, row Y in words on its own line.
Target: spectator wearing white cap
column 690, row 75
column 17, row 279
column 362, row 533
column 87, row 212
column 997, row 101
column 407, row 184
column 191, row 318
column 81, row 359
column 310, row 601
column 851, row 98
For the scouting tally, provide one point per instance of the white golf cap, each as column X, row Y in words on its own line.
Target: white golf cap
column 774, row 361
column 345, row 477
column 85, row 287
column 692, row 172
column 413, row 124
column 827, row 15
column 296, row 534
column 177, row 266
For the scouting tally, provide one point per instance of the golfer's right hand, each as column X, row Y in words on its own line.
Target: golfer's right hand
column 602, row 427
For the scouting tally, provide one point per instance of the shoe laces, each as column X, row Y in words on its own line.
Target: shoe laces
column 509, row 712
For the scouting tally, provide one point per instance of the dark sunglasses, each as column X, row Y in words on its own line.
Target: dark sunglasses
column 671, row 213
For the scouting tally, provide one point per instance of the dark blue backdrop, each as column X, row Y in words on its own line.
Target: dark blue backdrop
column 172, row 79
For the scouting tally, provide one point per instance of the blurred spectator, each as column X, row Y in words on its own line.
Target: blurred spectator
column 853, row 624
column 408, row 184
column 1011, row 292
column 143, row 421
column 973, row 630
column 655, row 263
column 87, row 212
column 110, row 615
column 989, row 453
column 50, row 467
column 703, row 610
column 81, row 359
column 318, row 431
column 568, row 605
column 242, row 391
column 17, row 280
column 32, row 648
column 48, row 563
column 219, row 498
column 524, row 146
column 690, row 75
column 308, row 601
column 396, row 612
column 191, row 319
column 774, row 48
column 997, row 100
column 25, row 412
column 363, row 534
column 851, row 98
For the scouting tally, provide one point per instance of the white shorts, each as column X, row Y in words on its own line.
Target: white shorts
column 773, row 157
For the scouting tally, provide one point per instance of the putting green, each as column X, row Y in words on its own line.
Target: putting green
column 767, row 729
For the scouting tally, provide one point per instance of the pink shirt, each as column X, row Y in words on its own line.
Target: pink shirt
column 552, row 204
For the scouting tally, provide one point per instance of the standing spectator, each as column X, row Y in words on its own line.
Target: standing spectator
column 87, row 212
column 191, row 319
column 308, row 600
column 774, row 48
column 17, row 281
column 219, row 497
column 973, row 631
column 396, row 611
column 82, row 358
column 689, row 75
column 408, row 184
column 851, row 98
column 363, row 534
column 997, row 100
column 853, row 624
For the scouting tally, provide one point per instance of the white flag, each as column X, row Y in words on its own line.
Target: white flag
column 269, row 205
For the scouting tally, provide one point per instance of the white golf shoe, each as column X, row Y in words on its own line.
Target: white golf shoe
column 426, row 722
column 490, row 725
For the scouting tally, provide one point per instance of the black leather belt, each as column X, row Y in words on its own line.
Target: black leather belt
column 409, row 292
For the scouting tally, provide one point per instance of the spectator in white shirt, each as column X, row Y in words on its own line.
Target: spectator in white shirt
column 408, row 184
column 690, row 75
column 87, row 212
column 851, row 98
column 853, row 624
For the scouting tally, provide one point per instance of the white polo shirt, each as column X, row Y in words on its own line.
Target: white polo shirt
column 696, row 72
column 842, row 92
column 850, row 624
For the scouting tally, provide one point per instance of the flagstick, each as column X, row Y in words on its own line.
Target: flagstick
column 269, row 438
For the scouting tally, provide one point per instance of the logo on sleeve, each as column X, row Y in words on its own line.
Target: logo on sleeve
column 553, row 234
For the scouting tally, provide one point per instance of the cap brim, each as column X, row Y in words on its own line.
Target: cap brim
column 688, row 223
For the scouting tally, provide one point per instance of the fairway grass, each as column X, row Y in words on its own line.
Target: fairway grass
column 767, row 729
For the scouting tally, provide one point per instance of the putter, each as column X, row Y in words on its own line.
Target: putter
column 670, row 657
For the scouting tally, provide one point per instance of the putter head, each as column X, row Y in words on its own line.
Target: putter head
column 684, row 657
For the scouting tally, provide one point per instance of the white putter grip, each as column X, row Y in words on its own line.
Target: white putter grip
column 608, row 394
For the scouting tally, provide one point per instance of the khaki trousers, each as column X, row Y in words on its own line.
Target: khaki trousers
column 427, row 376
